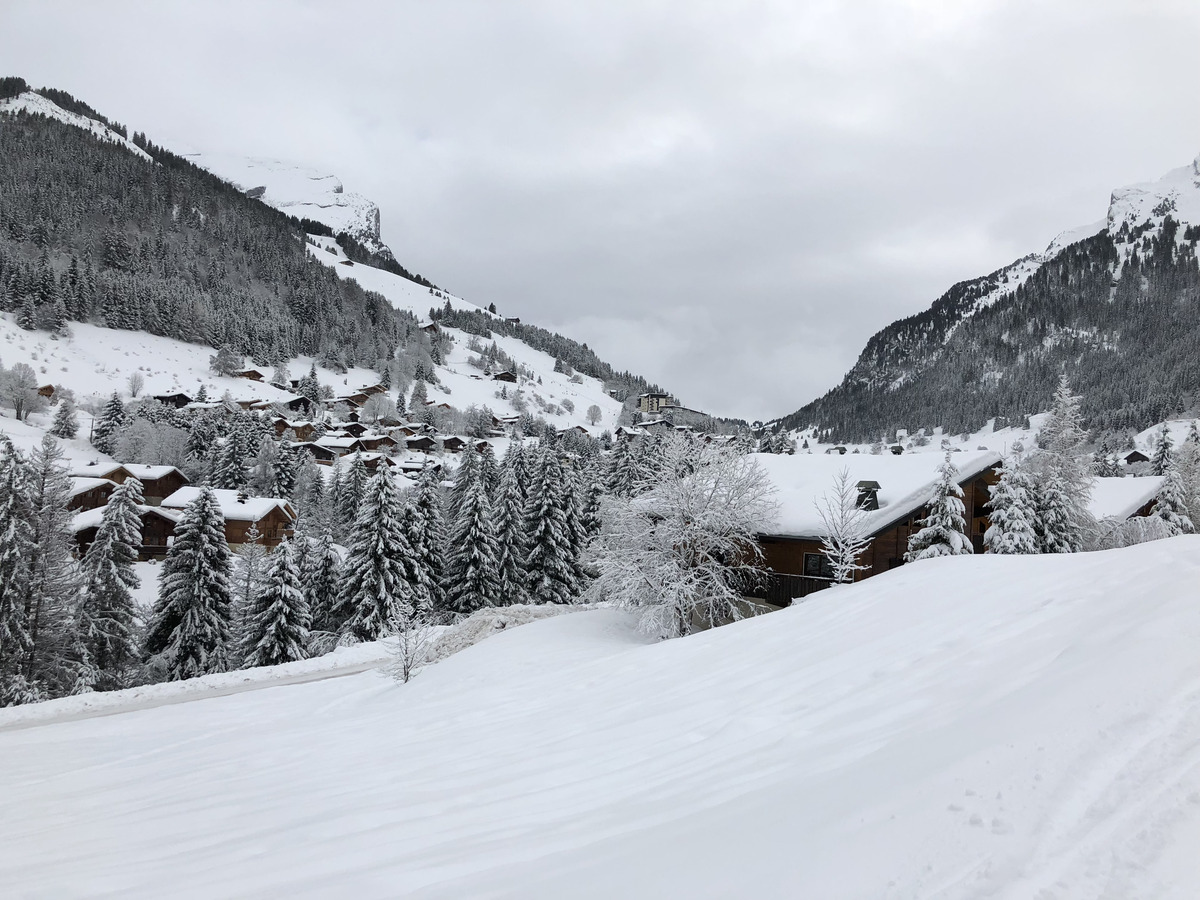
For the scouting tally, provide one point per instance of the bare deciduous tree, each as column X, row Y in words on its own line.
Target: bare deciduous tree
column 137, row 381
column 681, row 553
column 844, row 521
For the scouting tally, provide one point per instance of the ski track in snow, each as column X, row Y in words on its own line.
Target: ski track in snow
column 967, row 728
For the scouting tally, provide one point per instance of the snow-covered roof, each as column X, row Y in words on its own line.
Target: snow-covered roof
column 233, row 505
column 906, row 483
column 1120, row 498
column 149, row 473
column 91, row 518
column 96, row 470
column 81, row 485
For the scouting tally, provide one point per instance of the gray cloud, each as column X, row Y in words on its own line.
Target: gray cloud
column 726, row 198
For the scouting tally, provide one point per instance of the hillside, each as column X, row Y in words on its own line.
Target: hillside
column 100, row 233
column 1115, row 304
column 898, row 738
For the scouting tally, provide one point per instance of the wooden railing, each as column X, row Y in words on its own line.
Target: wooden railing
column 780, row 589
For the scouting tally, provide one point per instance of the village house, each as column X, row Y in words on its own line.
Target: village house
column 250, row 374
column 178, row 400
column 340, row 445
column 89, row 493
column 301, row 429
column 452, row 444
column 158, row 482
column 272, row 516
column 422, row 443
column 158, row 530
column 504, row 375
column 893, row 491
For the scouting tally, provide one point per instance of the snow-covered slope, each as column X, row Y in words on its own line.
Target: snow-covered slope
column 999, row 727
column 298, row 191
column 33, row 103
column 465, row 386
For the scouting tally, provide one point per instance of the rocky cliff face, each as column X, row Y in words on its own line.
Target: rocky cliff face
column 300, row 192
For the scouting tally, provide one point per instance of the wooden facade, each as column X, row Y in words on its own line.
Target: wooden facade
column 799, row 567
column 274, row 527
column 93, row 497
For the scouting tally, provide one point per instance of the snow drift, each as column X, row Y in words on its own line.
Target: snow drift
column 1008, row 727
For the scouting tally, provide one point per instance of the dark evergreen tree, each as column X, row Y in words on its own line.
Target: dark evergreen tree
column 550, row 562
column 374, row 590
column 111, row 420
column 191, row 622
column 321, row 578
column 108, row 614
column 66, row 423
column 472, row 570
column 279, row 620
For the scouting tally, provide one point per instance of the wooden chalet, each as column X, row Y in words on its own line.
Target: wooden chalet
column 372, row 389
column 89, row 493
column 339, row 445
column 1117, row 499
column 112, row 471
column 303, row 430
column 178, row 400
column 47, row 391
column 430, row 327
column 422, row 443
column 453, row 444
column 158, row 530
column 893, row 491
column 1137, row 456
column 354, row 429
column 324, row 456
column 158, row 482
column 273, row 517
column 250, row 374
column 380, row 442
column 505, row 375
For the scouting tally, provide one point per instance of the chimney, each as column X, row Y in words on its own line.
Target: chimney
column 868, row 495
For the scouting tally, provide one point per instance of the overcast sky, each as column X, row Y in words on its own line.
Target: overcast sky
column 727, row 198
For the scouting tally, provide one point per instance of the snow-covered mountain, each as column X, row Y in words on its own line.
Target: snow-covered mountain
column 298, row 191
column 93, row 361
column 1114, row 302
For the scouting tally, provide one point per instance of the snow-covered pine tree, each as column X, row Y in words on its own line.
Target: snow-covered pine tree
column 515, row 458
column 593, row 494
column 1170, row 503
column 15, row 550
column 1011, row 510
column 489, row 470
column 944, row 530
column 1164, row 454
column 352, row 490
column 464, row 480
column 375, row 591
column 321, row 578
column 53, row 584
column 570, row 489
column 249, row 570
column 1062, row 478
column 427, row 536
column 111, row 420
column 622, row 469
column 66, row 422
column 472, row 569
column 278, row 624
column 108, row 614
column 190, row 625
column 228, row 470
column 262, row 481
column 549, row 564
column 509, row 511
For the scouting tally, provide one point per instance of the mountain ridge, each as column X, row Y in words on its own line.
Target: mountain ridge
column 972, row 337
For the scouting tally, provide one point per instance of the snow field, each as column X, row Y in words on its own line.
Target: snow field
column 1001, row 727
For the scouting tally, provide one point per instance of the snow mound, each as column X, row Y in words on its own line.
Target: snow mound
column 971, row 727
column 486, row 623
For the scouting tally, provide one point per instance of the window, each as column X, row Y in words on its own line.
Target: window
column 817, row 566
